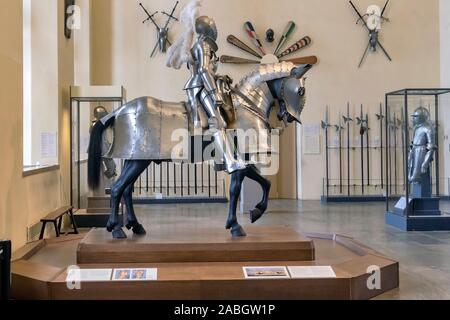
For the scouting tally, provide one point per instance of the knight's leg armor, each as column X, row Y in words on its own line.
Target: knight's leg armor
column 193, row 104
column 217, row 126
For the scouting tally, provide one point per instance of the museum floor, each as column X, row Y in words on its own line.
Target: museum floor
column 424, row 256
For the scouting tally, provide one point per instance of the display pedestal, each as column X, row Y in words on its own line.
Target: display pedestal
column 202, row 263
column 205, row 245
column 421, row 214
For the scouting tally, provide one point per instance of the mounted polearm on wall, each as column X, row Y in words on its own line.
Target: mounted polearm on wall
column 347, row 121
column 325, row 126
column 380, row 117
column 368, row 150
column 360, row 149
column 339, row 128
column 362, row 123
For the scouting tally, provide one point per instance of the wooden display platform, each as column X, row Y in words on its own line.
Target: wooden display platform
column 39, row 271
column 199, row 245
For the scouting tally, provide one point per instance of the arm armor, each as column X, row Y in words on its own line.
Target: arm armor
column 431, row 146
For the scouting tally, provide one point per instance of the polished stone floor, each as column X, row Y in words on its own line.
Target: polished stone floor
column 424, row 256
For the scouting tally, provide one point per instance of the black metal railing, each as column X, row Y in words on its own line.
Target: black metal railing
column 180, row 180
column 5, row 270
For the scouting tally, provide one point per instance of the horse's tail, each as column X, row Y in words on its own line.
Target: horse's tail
column 95, row 152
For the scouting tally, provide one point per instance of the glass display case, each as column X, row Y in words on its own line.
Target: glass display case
column 417, row 126
column 160, row 183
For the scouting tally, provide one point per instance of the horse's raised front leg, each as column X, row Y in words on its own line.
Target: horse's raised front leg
column 235, row 191
column 265, row 184
column 132, row 222
column 131, row 169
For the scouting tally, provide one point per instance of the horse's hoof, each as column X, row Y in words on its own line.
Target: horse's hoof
column 238, row 232
column 131, row 225
column 139, row 230
column 255, row 215
column 262, row 208
column 119, row 234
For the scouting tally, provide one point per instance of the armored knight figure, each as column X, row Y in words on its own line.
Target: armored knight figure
column 202, row 90
column 109, row 166
column 421, row 154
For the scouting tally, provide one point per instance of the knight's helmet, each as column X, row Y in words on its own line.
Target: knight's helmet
column 206, row 27
column 420, row 116
column 99, row 113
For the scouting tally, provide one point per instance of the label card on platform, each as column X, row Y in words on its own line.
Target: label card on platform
column 312, row 272
column 266, row 273
column 89, row 275
column 135, row 274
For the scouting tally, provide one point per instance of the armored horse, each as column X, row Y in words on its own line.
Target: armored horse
column 143, row 134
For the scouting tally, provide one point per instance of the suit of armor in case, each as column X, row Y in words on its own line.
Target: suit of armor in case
column 421, row 155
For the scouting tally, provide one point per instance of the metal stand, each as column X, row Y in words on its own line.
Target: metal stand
column 5, row 270
column 349, row 185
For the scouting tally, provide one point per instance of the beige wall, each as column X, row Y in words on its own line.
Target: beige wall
column 119, row 54
column 121, row 47
column 43, row 77
column 25, row 200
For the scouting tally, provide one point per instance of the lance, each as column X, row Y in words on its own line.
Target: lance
column 325, row 125
column 368, row 149
column 339, row 129
column 362, row 133
column 347, row 121
column 380, row 118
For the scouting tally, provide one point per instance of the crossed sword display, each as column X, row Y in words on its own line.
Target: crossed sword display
column 162, row 32
column 374, row 40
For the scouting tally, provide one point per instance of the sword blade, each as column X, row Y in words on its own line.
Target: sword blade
column 364, row 56
column 384, row 50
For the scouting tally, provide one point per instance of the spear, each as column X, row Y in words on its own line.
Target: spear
column 339, row 129
column 325, row 125
column 368, row 149
column 362, row 132
column 347, row 121
column 380, row 118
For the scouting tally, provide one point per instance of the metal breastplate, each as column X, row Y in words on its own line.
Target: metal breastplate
column 421, row 137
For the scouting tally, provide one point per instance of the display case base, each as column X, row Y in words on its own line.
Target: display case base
column 201, row 245
column 352, row 199
column 418, row 207
column 418, row 223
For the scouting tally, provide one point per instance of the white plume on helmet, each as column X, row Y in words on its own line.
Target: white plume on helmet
column 179, row 52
